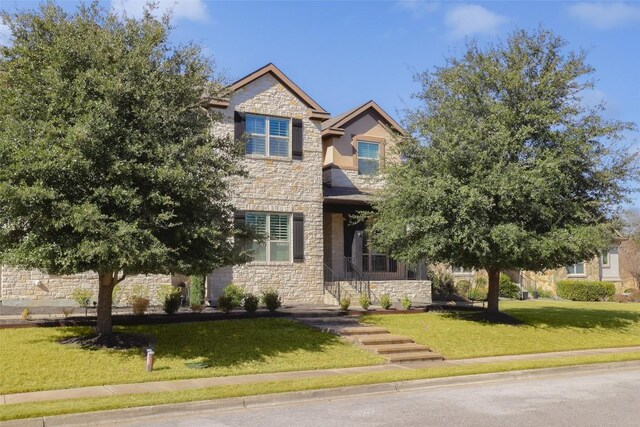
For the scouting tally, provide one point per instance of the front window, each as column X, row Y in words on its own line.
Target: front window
column 276, row 231
column 268, row 136
column 605, row 258
column 577, row 268
column 368, row 158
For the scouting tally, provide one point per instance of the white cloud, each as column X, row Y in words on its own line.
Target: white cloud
column 469, row 19
column 418, row 7
column 5, row 34
column 191, row 10
column 605, row 15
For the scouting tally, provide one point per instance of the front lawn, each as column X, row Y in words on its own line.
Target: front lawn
column 548, row 326
column 32, row 359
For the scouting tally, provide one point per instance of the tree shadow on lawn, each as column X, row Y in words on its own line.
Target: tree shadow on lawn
column 230, row 343
column 555, row 317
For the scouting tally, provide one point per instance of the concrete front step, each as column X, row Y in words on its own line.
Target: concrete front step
column 378, row 339
column 363, row 330
column 414, row 356
column 386, row 349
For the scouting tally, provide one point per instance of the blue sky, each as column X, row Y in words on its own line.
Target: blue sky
column 343, row 53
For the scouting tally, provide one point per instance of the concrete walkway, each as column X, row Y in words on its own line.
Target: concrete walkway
column 176, row 385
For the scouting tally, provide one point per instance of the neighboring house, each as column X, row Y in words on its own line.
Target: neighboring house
column 307, row 172
column 620, row 264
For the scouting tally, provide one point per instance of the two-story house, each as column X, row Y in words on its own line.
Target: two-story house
column 307, row 173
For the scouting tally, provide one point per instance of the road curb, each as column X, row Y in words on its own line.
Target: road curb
column 296, row 397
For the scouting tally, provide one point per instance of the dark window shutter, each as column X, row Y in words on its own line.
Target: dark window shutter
column 298, row 237
column 240, row 124
column 238, row 218
column 296, row 139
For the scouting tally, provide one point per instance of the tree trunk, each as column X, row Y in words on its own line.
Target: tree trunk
column 105, row 299
column 493, row 296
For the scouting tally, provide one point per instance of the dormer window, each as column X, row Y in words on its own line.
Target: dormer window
column 368, row 158
column 268, row 136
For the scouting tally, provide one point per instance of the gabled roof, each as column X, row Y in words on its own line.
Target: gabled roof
column 317, row 111
column 334, row 125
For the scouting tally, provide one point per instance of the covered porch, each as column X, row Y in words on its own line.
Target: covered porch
column 351, row 267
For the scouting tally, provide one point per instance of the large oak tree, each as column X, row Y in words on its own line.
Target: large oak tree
column 507, row 167
column 108, row 162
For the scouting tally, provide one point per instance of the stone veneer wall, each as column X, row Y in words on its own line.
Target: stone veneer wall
column 278, row 185
column 418, row 291
column 35, row 288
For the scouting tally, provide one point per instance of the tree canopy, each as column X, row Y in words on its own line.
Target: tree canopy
column 108, row 160
column 506, row 167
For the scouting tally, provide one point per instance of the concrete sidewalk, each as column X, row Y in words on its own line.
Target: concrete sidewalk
column 187, row 384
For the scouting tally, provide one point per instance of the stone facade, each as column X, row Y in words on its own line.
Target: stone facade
column 35, row 288
column 278, row 185
column 418, row 291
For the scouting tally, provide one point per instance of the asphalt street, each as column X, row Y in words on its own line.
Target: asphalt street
column 608, row 398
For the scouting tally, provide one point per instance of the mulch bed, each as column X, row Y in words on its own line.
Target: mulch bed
column 118, row 341
column 147, row 319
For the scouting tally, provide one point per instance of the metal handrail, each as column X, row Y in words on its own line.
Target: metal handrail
column 362, row 285
column 332, row 282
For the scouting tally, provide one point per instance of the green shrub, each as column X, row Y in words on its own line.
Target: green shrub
column 138, row 291
column 508, row 289
column 139, row 305
column 225, row 303
column 171, row 302
column 406, row 302
column 479, row 291
column 81, row 296
column 462, row 287
column 442, row 284
column 197, row 308
column 251, row 302
column 345, row 303
column 385, row 301
column 583, row 290
column 365, row 302
column 196, row 290
column 236, row 293
column 271, row 300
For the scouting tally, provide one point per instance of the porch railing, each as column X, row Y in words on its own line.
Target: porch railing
column 332, row 283
column 383, row 268
column 356, row 278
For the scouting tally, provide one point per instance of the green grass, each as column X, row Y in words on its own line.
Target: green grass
column 32, row 359
column 549, row 326
column 39, row 409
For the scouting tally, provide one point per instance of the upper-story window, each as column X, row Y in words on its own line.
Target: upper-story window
column 368, row 158
column 268, row 136
column 604, row 257
column 576, row 269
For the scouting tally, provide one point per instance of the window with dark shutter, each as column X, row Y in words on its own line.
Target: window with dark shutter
column 296, row 139
column 298, row 237
column 240, row 124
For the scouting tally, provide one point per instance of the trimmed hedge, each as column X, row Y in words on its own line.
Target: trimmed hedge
column 583, row 290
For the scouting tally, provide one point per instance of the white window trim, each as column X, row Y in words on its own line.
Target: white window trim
column 379, row 144
column 584, row 268
column 267, row 137
column 267, row 240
